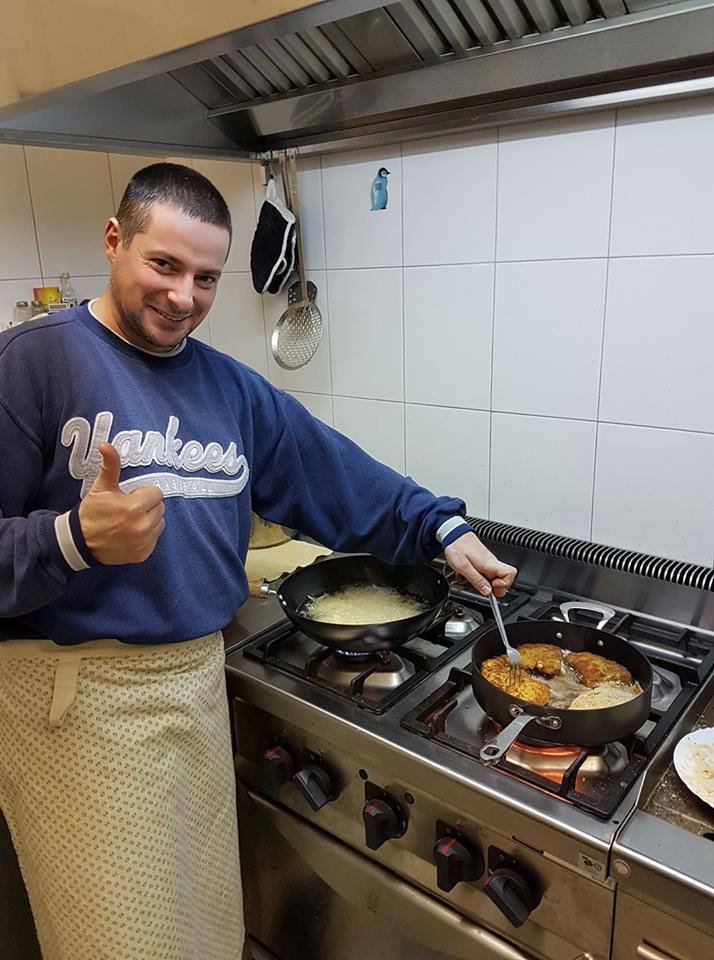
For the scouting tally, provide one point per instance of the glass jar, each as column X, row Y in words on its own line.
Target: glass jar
column 21, row 313
column 38, row 307
column 67, row 292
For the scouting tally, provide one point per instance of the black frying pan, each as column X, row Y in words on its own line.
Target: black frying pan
column 329, row 575
column 549, row 724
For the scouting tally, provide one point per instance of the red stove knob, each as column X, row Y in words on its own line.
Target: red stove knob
column 455, row 862
column 512, row 893
column 278, row 765
column 316, row 785
column 383, row 820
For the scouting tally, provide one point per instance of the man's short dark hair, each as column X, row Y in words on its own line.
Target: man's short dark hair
column 173, row 184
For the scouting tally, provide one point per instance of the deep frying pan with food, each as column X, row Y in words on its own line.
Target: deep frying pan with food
column 524, row 720
column 420, row 581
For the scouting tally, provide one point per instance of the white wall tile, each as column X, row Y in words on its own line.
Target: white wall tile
column 122, row 167
column 450, row 199
column 236, row 321
column 203, row 331
column 554, row 184
column 10, row 292
column 356, row 235
column 235, row 183
column 448, row 452
column 315, row 376
column 548, row 337
column 309, row 183
column 366, row 333
column 653, row 492
column 542, row 473
column 18, row 246
column 659, row 340
column 358, row 420
column 448, row 320
column 318, row 404
column 663, row 199
column 72, row 197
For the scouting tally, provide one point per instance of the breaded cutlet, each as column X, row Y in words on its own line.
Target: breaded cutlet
column 594, row 670
column 544, row 658
column 527, row 688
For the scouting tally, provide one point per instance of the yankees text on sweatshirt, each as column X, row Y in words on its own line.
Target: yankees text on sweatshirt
column 217, row 439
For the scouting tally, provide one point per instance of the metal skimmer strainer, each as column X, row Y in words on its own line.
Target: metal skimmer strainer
column 298, row 332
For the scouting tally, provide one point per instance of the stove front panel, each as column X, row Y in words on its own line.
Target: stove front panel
column 557, row 927
column 307, row 895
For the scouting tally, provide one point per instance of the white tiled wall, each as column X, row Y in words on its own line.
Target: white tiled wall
column 528, row 325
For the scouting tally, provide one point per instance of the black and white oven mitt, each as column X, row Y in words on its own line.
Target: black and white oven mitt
column 272, row 253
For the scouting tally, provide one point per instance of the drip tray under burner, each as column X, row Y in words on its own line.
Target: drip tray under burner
column 379, row 672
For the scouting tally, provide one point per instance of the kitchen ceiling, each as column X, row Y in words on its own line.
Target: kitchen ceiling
column 390, row 71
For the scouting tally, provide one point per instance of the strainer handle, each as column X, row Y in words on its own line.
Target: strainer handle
column 292, row 179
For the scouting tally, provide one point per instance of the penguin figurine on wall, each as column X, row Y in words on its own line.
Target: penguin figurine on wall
column 379, row 193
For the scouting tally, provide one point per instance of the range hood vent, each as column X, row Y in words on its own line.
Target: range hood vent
column 344, row 73
column 397, row 36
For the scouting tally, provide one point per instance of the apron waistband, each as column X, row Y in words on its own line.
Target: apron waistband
column 69, row 658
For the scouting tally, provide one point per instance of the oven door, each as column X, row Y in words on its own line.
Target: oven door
column 309, row 896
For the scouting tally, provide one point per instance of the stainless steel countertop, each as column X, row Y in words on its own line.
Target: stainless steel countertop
column 253, row 617
column 663, row 854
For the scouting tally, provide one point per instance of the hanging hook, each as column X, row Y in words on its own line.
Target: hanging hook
column 267, row 165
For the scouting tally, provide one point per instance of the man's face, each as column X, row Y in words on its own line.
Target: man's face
column 164, row 283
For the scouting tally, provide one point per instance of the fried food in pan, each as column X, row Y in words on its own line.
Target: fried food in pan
column 544, row 658
column 527, row 688
column 594, row 670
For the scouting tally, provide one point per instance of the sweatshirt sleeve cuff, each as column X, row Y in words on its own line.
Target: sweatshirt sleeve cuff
column 451, row 530
column 71, row 542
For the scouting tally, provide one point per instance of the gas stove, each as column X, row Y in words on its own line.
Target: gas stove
column 372, row 762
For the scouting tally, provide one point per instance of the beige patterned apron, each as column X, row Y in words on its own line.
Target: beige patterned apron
column 117, row 783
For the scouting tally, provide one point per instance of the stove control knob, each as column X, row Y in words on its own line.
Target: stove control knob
column 512, row 893
column 316, row 784
column 455, row 862
column 383, row 820
column 278, row 765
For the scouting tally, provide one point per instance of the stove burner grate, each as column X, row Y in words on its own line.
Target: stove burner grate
column 594, row 779
column 375, row 680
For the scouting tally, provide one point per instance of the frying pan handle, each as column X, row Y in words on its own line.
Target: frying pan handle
column 503, row 741
column 607, row 613
column 261, row 588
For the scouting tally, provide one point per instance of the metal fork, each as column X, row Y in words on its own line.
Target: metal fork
column 514, row 657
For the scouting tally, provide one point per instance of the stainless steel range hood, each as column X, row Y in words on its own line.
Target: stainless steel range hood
column 340, row 73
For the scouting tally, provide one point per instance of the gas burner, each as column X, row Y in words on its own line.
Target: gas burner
column 592, row 778
column 462, row 622
column 552, row 763
column 379, row 673
column 375, row 681
column 666, row 687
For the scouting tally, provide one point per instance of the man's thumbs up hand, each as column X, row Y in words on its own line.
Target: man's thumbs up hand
column 120, row 527
column 107, row 480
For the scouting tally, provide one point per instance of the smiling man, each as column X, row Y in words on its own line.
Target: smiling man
column 162, row 284
column 132, row 455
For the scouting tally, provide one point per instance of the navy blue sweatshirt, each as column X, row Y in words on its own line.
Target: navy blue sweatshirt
column 217, row 438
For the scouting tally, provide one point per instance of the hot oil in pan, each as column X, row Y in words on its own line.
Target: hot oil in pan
column 565, row 686
column 362, row 604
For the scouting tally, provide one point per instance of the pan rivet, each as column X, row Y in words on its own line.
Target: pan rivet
column 621, row 868
column 559, row 635
column 601, row 643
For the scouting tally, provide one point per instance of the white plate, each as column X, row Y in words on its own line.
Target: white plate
column 684, row 763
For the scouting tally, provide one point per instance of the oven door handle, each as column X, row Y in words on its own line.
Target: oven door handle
column 368, row 886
